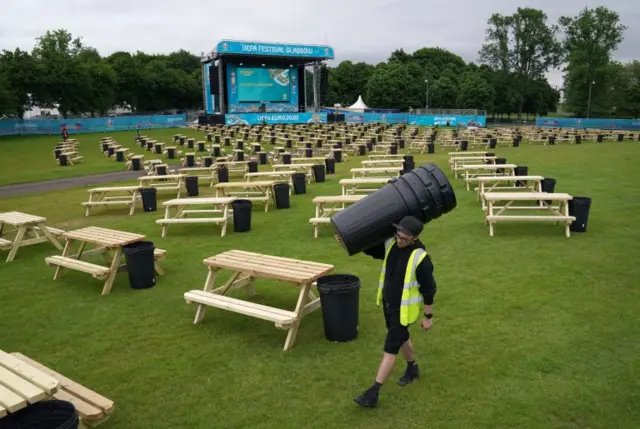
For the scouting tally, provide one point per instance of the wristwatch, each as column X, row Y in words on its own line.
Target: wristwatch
column 428, row 315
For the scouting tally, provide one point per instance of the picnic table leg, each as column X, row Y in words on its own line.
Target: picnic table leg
column 208, row 286
column 115, row 263
column 225, row 214
column 565, row 210
column 134, row 197
column 49, row 236
column 16, row 243
column 65, row 252
column 490, row 212
column 315, row 226
column 293, row 329
column 165, row 226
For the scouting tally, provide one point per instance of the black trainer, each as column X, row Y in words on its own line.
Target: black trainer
column 410, row 374
column 369, row 399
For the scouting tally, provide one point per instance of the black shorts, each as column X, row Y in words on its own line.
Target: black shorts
column 397, row 334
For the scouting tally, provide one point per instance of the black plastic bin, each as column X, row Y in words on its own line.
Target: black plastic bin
column 171, row 153
column 286, row 158
column 493, row 143
column 331, row 165
column 516, row 142
column 578, row 139
column 140, row 264
column 424, row 192
column 308, row 152
column 241, row 215
column 191, row 183
column 548, row 185
column 500, row 161
column 620, row 137
column 149, row 199
column 201, row 147
column 53, row 414
column 223, row 174
column 208, row 161
column 393, row 149
column 551, row 140
column 216, row 152
column 431, row 148
column 158, row 148
column 281, row 195
column 161, row 170
column 319, row 173
column 521, row 170
column 299, row 183
column 57, row 153
column 191, row 160
column 579, row 207
column 464, row 144
column 63, row 160
column 262, row 156
column 337, row 155
column 362, row 150
column 120, row 156
column 340, row 301
column 135, row 164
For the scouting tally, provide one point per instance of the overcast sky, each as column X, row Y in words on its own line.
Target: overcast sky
column 358, row 30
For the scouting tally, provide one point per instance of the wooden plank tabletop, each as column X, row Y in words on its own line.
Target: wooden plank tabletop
column 18, row 218
column 487, row 166
column 103, row 236
column 197, row 200
column 526, row 196
column 167, row 176
column 274, row 267
column 255, row 184
column 506, row 178
column 376, row 170
column 338, row 199
column 115, row 189
column 364, row 181
column 22, row 384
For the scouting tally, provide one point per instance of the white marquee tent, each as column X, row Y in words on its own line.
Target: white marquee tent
column 358, row 106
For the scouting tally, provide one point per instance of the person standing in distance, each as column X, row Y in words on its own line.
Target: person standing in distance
column 406, row 290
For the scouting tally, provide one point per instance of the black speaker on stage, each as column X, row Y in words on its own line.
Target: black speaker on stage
column 213, row 79
column 324, row 82
column 216, row 119
column 340, row 117
column 302, row 91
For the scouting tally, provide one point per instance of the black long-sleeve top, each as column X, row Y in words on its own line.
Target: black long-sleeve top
column 396, row 269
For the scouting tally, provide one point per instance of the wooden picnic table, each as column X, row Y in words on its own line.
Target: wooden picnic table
column 220, row 207
column 364, row 172
column 105, row 241
column 24, row 225
column 307, row 169
column 261, row 190
column 97, row 197
column 167, row 182
column 210, row 173
column 493, row 183
column 389, row 156
column 336, row 203
column 543, row 200
column 248, row 266
column 353, row 186
column 472, row 172
column 22, row 384
column 381, row 162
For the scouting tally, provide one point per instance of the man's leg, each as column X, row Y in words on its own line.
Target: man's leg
column 412, row 372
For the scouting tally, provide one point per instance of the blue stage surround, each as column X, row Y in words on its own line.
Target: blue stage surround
column 604, row 124
column 234, row 106
column 274, row 49
column 206, row 85
column 90, row 125
column 275, row 118
column 453, row 120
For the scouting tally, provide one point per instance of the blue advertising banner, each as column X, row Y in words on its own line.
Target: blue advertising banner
column 603, row 124
column 90, row 125
column 274, row 49
column 206, row 85
column 274, row 118
column 386, row 118
column 450, row 120
column 271, row 83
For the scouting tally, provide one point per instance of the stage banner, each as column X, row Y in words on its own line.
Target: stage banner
column 367, row 117
column 274, row 49
column 448, row 120
column 90, row 125
column 275, row 118
column 206, row 85
column 600, row 123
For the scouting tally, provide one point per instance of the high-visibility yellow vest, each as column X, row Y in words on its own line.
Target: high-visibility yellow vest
column 410, row 305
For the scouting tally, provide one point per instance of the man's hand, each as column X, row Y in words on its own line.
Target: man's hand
column 426, row 324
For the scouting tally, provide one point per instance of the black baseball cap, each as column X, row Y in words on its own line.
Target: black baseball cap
column 409, row 225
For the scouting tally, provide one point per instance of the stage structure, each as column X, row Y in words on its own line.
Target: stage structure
column 255, row 82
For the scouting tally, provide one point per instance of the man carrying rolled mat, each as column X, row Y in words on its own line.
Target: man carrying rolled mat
column 406, row 288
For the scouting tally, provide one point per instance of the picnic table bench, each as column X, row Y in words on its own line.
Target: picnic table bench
column 353, row 186
column 248, row 266
column 97, row 197
column 544, row 200
column 167, row 182
column 220, row 207
column 336, row 203
column 260, row 190
column 364, row 172
column 376, row 157
column 105, row 241
column 25, row 225
column 92, row 408
column 209, row 176
column 381, row 162
column 513, row 183
column 472, row 172
column 307, row 169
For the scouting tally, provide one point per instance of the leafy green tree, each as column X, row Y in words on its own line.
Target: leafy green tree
column 475, row 92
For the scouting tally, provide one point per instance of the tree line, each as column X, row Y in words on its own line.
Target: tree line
column 509, row 77
column 519, row 50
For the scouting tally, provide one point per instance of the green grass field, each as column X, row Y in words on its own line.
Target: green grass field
column 531, row 330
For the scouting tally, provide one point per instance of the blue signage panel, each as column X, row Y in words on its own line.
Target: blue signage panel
column 600, row 123
column 206, row 84
column 274, row 118
column 385, row 118
column 90, row 125
column 450, row 120
column 274, row 49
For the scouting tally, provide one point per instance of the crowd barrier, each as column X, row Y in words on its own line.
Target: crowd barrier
column 90, row 125
column 599, row 123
